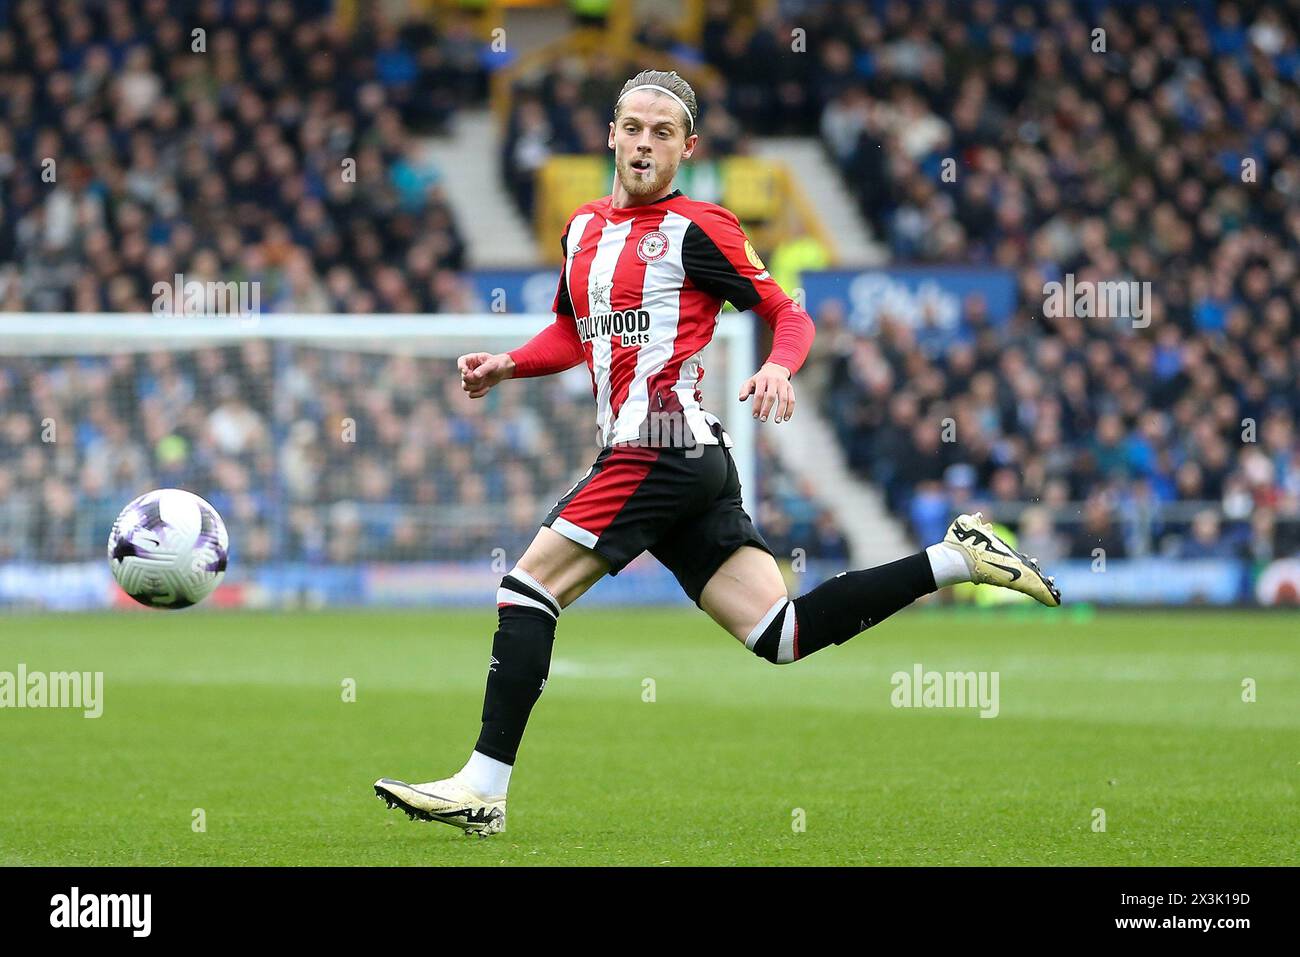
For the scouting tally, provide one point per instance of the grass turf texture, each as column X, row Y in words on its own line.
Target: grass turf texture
column 241, row 714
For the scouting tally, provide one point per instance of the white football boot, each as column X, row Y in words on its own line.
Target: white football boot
column 448, row 801
column 993, row 562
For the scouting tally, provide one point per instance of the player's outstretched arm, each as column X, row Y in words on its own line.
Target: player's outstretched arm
column 554, row 349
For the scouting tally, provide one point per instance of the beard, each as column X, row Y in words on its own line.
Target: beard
column 645, row 183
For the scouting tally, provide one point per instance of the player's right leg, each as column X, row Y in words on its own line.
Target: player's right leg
column 553, row 573
column 746, row 595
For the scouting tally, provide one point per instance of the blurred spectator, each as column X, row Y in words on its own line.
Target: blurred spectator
column 1098, row 531
column 1038, row 536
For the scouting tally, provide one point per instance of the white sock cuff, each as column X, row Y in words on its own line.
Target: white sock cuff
column 948, row 564
column 507, row 596
column 488, row 776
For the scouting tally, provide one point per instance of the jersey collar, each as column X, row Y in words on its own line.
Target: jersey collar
column 634, row 210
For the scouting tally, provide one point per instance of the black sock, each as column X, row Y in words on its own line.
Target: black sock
column 521, row 660
column 840, row 608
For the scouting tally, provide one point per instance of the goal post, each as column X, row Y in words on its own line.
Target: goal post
column 327, row 442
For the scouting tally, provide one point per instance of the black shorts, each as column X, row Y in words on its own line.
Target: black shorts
column 681, row 505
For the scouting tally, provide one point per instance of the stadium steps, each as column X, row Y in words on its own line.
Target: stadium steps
column 470, row 163
column 825, row 190
column 811, row 451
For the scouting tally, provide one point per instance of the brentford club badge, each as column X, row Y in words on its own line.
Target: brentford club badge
column 653, row 246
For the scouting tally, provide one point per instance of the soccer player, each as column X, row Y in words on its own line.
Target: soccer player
column 646, row 270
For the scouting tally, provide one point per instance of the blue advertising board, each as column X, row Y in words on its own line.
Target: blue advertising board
column 926, row 297
column 88, row 585
column 516, row 290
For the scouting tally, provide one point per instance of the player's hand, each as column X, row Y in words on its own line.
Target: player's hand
column 770, row 386
column 480, row 371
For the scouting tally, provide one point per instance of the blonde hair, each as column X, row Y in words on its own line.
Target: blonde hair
column 664, row 81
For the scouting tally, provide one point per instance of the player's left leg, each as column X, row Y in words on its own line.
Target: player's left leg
column 747, row 595
column 553, row 573
column 603, row 522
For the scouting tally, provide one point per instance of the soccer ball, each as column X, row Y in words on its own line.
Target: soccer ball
column 168, row 549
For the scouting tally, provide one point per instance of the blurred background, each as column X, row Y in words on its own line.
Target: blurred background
column 916, row 174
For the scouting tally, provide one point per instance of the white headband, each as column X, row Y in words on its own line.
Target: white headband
column 654, row 86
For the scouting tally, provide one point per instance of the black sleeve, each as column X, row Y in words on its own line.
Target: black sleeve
column 563, row 306
column 710, row 270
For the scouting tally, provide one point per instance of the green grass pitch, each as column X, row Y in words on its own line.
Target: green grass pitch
column 242, row 715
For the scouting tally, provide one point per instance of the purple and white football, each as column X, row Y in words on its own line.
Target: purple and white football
column 168, row 549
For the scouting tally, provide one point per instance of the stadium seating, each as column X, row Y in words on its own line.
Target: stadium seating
column 1171, row 157
column 283, row 149
column 169, row 160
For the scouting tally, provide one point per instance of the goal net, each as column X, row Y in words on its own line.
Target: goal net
column 340, row 450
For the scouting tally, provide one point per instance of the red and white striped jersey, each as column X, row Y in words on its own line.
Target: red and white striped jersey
column 640, row 294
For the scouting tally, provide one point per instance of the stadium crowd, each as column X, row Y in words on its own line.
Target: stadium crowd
column 789, row 516
column 226, row 141
column 1106, row 141
column 312, row 454
column 218, row 141
column 1165, row 149
column 1169, row 154
column 564, row 108
column 309, row 454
